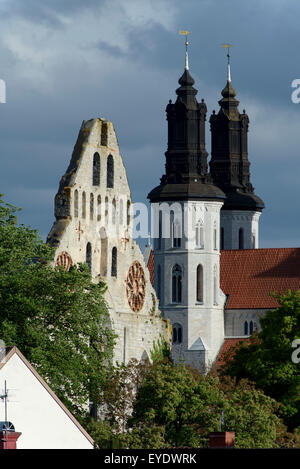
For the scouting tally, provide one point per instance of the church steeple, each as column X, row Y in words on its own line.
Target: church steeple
column 186, row 155
column 229, row 165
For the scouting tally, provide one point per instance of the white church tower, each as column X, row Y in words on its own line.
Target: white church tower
column 186, row 230
column 229, row 167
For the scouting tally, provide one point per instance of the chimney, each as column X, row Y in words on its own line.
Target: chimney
column 8, row 436
column 221, row 440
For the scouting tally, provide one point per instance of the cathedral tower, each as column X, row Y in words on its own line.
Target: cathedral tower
column 229, row 168
column 186, row 228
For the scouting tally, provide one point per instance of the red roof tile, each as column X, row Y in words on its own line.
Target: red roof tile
column 249, row 276
column 228, row 349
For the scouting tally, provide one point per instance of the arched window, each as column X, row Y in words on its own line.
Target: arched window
column 99, row 208
column 222, row 239
column 83, row 208
column 176, row 284
column 251, row 327
column 114, row 256
column 177, row 333
column 199, row 234
column 200, row 283
column 76, row 203
column 241, row 238
column 215, row 286
column 246, row 328
column 91, row 206
column 88, row 257
column 110, row 172
column 96, row 169
column 128, row 212
column 159, row 242
column 158, row 284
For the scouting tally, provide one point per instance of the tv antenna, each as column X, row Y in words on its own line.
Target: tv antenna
column 4, row 398
column 185, row 33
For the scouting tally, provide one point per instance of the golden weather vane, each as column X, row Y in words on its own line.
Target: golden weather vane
column 185, row 33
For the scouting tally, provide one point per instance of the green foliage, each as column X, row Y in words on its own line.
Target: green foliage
column 267, row 360
column 187, row 405
column 160, row 350
column 58, row 319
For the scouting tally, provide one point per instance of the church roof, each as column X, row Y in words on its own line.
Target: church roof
column 249, row 276
column 227, row 350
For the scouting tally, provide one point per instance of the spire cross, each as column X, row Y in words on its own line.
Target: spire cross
column 186, row 33
column 227, row 46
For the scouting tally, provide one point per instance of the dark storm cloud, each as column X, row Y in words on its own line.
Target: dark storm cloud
column 66, row 61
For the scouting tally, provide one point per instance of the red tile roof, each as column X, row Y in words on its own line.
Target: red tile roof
column 249, row 276
column 227, row 350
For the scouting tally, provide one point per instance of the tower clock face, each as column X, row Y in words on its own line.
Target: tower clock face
column 64, row 259
column 136, row 286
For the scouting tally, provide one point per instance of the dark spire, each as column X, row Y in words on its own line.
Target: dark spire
column 186, row 170
column 229, row 165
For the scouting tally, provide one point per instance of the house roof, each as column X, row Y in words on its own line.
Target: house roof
column 5, row 356
column 249, row 276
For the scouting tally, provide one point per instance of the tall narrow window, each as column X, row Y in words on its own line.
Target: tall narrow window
column 199, row 234
column 251, row 327
column 88, row 257
column 113, row 213
column 103, row 259
column 91, row 206
column 99, row 208
column 114, row 256
column 215, row 236
column 176, row 234
column 200, row 283
column 253, row 240
column 96, row 169
column 177, row 333
column 110, row 171
column 128, row 212
column 158, row 289
column 176, row 284
column 222, row 239
column 246, row 328
column 241, row 238
column 106, row 210
column 83, row 208
column 76, row 203
column 159, row 239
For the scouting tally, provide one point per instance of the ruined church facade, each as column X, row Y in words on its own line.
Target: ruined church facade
column 93, row 211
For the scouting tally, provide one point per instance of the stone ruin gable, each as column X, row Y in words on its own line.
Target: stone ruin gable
column 137, row 325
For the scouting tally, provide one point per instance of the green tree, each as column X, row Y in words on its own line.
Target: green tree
column 267, row 361
column 188, row 405
column 57, row 318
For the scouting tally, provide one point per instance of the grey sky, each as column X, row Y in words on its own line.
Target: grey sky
column 66, row 61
